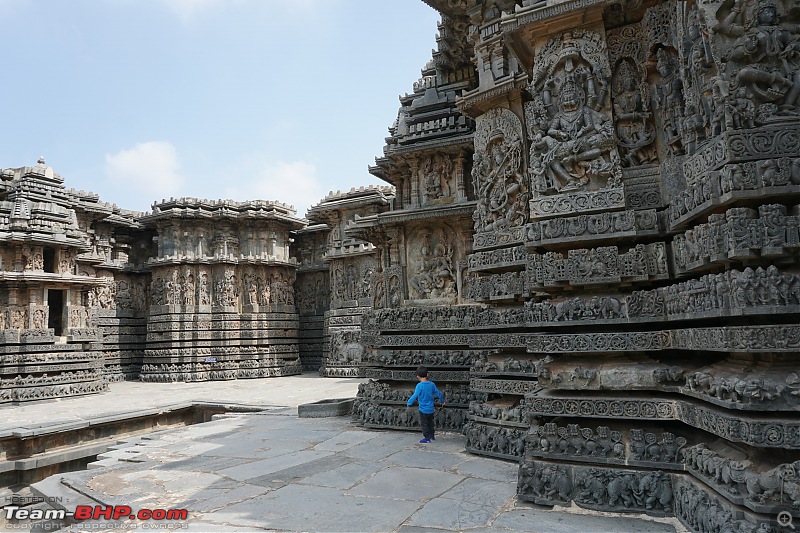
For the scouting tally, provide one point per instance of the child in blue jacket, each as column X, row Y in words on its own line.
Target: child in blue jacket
column 423, row 393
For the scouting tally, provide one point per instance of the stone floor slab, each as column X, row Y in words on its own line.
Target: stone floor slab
column 298, row 473
column 494, row 470
column 407, row 483
column 271, row 465
column 321, row 509
column 389, row 442
column 347, row 476
column 543, row 521
column 426, row 458
column 212, row 499
column 346, row 440
column 445, row 513
column 480, row 491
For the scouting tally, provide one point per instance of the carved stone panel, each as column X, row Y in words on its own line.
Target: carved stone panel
column 498, row 177
column 572, row 143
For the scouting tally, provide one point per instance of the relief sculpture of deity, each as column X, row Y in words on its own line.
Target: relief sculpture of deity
column 573, row 147
column 763, row 58
column 632, row 111
column 433, row 275
column 498, row 173
column 668, row 98
column 436, row 174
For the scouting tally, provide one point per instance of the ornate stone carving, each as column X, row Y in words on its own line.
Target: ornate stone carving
column 606, row 225
column 574, row 309
column 739, row 233
column 577, row 202
column 623, row 490
column 631, row 95
column 603, row 265
column 497, row 174
column 502, row 442
column 436, row 178
column 345, row 348
column 502, row 386
column 426, row 357
column 599, row 342
column 703, row 511
column 432, row 272
column 756, row 44
column 739, row 481
column 669, row 99
column 572, row 139
column 507, row 285
column 502, row 258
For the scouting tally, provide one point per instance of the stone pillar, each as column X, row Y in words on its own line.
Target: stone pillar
column 461, row 190
column 413, row 165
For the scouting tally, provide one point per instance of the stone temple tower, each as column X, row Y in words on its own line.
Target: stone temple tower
column 222, row 300
column 626, row 292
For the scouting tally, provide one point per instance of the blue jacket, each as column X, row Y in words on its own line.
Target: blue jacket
column 424, row 394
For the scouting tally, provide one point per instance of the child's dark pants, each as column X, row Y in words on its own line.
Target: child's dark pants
column 426, row 421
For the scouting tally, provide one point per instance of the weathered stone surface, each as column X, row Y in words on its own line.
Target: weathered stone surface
column 633, row 250
column 591, row 241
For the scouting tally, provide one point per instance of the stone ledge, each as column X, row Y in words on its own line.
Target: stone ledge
column 326, row 408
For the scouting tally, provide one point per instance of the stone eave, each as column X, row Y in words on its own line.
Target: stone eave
column 407, row 215
column 353, row 250
column 424, row 145
column 347, row 204
column 442, row 7
column 378, row 171
column 554, row 13
column 313, row 268
column 478, row 101
column 225, row 214
column 313, row 228
column 46, row 277
column 241, row 260
column 43, row 239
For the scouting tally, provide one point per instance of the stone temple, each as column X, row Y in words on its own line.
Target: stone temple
column 590, row 234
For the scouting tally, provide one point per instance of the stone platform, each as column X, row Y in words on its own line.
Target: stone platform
column 272, row 470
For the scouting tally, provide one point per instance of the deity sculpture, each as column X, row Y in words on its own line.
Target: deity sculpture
column 436, row 173
column 434, row 276
column 764, row 57
column 502, row 192
column 575, row 148
column 634, row 129
column 668, row 98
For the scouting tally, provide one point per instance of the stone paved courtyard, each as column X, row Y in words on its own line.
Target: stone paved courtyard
column 274, row 471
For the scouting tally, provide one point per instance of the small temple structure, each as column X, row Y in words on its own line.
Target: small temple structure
column 590, row 234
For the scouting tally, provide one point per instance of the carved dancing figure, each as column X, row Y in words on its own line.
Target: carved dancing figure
column 764, row 57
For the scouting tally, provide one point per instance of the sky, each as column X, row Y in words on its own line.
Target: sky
column 142, row 100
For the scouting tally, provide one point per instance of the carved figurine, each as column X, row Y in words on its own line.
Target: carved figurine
column 763, row 57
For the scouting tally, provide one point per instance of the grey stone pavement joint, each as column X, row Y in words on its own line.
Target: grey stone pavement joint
column 273, row 471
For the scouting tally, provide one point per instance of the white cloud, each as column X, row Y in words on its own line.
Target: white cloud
column 294, row 183
column 189, row 10
column 150, row 169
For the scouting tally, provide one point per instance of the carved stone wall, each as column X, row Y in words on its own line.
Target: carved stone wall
column 312, row 292
column 423, row 242
column 222, row 297
column 58, row 262
column 351, row 266
column 634, row 255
